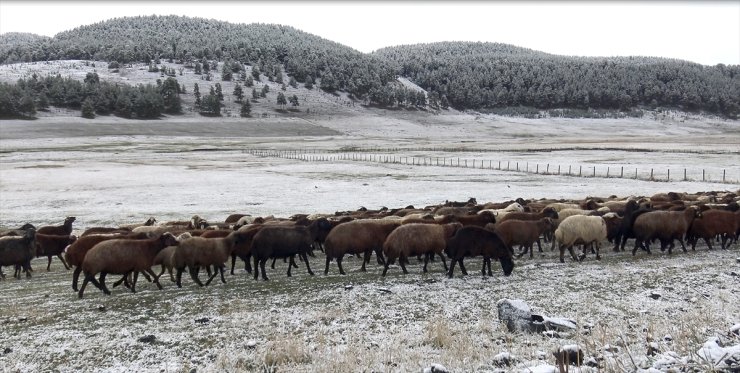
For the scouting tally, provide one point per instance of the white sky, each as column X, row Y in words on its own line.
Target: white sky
column 703, row 32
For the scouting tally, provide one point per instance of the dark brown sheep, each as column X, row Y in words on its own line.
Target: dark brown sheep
column 17, row 232
column 123, row 256
column 197, row 252
column 480, row 219
column 59, row 230
column 713, row 224
column 233, row 218
column 18, row 251
column 523, row 233
column 417, row 239
column 75, row 253
column 632, row 210
column 547, row 212
column 50, row 245
column 281, row 242
column 474, row 241
column 665, row 226
column 105, row 230
column 357, row 237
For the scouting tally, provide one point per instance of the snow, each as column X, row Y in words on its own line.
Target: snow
column 311, row 322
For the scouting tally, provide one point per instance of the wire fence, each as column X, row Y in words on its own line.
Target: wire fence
column 390, row 156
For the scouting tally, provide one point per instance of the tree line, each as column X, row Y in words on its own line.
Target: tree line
column 92, row 96
column 461, row 75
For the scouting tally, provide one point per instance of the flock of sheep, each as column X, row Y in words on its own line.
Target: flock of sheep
column 453, row 230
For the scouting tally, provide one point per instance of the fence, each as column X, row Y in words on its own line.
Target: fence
column 375, row 155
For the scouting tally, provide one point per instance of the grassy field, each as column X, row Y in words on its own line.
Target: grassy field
column 364, row 322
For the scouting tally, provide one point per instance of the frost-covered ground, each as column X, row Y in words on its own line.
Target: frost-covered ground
column 50, row 169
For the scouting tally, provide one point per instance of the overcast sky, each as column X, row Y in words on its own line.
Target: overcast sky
column 703, row 32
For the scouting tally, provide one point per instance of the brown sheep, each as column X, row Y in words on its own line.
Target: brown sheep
column 75, row 253
column 713, row 223
column 123, row 256
column 105, row 230
column 52, row 245
column 59, row 230
column 547, row 212
column 474, row 241
column 414, row 239
column 480, row 219
column 666, row 226
column 17, row 232
column 357, row 237
column 197, row 252
column 281, row 242
column 523, row 232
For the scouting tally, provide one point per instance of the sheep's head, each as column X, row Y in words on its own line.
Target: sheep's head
column 168, row 239
column 508, row 265
column 69, row 220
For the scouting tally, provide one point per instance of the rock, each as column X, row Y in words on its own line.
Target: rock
column 515, row 314
column 610, row 348
column 655, row 296
column 504, row 359
column 147, row 339
column 735, row 329
column 436, row 368
column 652, row 349
column 251, row 343
column 559, row 324
column 385, row 290
column 202, row 320
column 7, row 350
column 551, row 334
column 569, row 355
column 348, row 287
column 591, row 362
column 101, row 308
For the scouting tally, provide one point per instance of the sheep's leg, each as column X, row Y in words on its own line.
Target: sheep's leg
column 178, row 281
column 133, row 283
column 119, row 282
column 233, row 263
column 262, row 266
column 598, row 247
column 539, row 247
column 444, row 261
column 208, row 270
column 366, row 259
column 169, row 270
column 210, row 278
column 584, row 249
column 426, row 260
column 341, row 269
column 328, row 260
column 402, row 259
column 290, row 264
column 385, row 266
column 451, row 271
column 76, row 277
column 102, row 283
column 84, row 285
column 48, row 266
column 380, row 257
column 256, row 268
column 308, row 266
column 146, row 276
column 66, row 266
column 194, row 274
column 490, row 273
column 222, row 270
column 156, row 279
column 562, row 253
column 295, row 265
column 161, row 272
column 462, row 266
column 572, row 254
column 247, row 266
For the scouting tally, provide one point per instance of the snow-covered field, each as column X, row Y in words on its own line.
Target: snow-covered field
column 50, row 169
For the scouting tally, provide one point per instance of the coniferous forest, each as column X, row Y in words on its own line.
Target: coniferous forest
column 461, row 75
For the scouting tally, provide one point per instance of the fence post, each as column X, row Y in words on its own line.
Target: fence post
column 558, row 169
column 537, row 169
column 517, row 166
column 547, row 170
column 580, row 171
column 607, row 172
column 703, row 173
column 724, row 173
column 635, row 173
column 594, row 171
column 621, row 174
column 651, row 174
column 684, row 174
column 669, row 175
column 569, row 173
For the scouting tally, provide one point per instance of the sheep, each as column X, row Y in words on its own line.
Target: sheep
column 713, row 223
column 474, row 241
column 631, row 211
column 666, row 226
column 523, row 232
column 559, row 206
column 197, row 252
column 547, row 212
column 105, row 230
column 500, row 213
column 17, row 232
column 148, row 222
column 580, row 229
column 414, row 239
column 480, row 219
column 357, row 237
column 281, row 242
column 123, row 256
column 457, row 211
column 52, row 245
column 164, row 257
column 613, row 225
column 75, row 253
column 233, row 218
column 59, row 230
column 18, row 251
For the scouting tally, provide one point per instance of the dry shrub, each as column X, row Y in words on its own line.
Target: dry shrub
column 439, row 334
column 286, row 351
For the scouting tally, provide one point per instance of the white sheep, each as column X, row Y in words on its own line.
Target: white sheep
column 583, row 230
column 500, row 213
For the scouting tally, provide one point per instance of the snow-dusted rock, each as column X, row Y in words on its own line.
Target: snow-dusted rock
column 436, row 368
column 559, row 324
column 504, row 359
column 515, row 314
column 544, row 368
column 735, row 329
column 720, row 357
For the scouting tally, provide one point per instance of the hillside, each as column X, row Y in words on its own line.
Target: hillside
column 491, row 75
column 488, row 77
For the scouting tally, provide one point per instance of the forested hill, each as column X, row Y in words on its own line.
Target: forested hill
column 485, row 75
column 463, row 75
column 143, row 39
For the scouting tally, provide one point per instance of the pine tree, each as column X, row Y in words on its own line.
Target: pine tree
column 292, row 82
column 246, row 109
column 88, row 110
column 294, row 100
column 198, row 68
column 264, row 91
column 211, row 105
column 249, row 81
column 255, row 94
column 309, row 82
column 281, row 100
column 238, row 92
column 219, row 92
column 256, row 73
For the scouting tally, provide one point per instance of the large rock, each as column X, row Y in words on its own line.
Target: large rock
column 436, row 368
column 515, row 314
